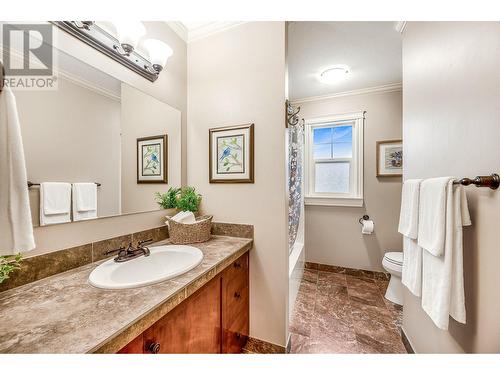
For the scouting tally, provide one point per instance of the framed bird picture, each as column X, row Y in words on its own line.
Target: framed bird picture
column 390, row 158
column 231, row 154
column 152, row 160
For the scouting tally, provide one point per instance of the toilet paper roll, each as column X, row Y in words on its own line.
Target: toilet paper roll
column 367, row 227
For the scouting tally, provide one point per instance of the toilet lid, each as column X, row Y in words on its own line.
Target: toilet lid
column 395, row 257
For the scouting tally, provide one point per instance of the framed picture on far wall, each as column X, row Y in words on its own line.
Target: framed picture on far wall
column 390, row 158
column 152, row 160
column 231, row 154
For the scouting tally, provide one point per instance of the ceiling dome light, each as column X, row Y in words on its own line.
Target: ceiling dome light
column 334, row 74
column 159, row 53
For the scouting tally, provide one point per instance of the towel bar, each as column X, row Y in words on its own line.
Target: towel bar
column 492, row 181
column 30, row 184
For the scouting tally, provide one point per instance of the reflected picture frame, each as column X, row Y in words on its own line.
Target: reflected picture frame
column 152, row 159
column 231, row 154
column 390, row 158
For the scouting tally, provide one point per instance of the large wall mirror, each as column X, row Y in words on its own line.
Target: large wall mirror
column 87, row 129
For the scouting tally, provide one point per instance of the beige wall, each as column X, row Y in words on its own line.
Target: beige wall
column 451, row 127
column 333, row 234
column 145, row 116
column 237, row 77
column 170, row 88
column 72, row 134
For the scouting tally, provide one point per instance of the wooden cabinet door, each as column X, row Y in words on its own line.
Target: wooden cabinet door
column 192, row 327
column 136, row 346
column 235, row 305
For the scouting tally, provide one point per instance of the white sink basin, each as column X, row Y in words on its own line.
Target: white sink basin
column 164, row 262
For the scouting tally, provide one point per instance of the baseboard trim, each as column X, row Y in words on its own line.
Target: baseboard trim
column 406, row 342
column 348, row 271
column 257, row 346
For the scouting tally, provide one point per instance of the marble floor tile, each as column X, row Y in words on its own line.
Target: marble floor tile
column 299, row 344
column 344, row 313
column 310, row 275
column 331, row 278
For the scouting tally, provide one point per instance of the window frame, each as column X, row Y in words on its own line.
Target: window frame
column 354, row 198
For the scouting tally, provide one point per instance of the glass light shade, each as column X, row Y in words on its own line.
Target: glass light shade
column 334, row 74
column 129, row 32
column 159, row 52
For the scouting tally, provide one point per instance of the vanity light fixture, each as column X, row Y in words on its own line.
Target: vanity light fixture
column 159, row 53
column 128, row 34
column 334, row 74
column 122, row 48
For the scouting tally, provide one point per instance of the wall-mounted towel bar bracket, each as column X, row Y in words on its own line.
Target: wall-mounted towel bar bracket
column 493, row 181
column 30, row 184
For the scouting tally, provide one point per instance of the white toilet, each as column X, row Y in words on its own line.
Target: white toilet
column 393, row 263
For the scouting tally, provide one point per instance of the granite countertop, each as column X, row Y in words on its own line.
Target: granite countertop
column 65, row 314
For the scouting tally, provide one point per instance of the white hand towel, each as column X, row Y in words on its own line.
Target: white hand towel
column 412, row 266
column 442, row 276
column 84, row 201
column 16, row 228
column 185, row 217
column 55, row 203
column 408, row 216
column 432, row 215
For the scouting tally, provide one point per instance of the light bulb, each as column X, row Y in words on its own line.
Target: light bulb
column 129, row 32
column 158, row 51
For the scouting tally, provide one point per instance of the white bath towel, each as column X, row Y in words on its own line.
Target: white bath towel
column 16, row 228
column 84, row 201
column 412, row 266
column 442, row 276
column 55, row 203
column 408, row 216
column 432, row 215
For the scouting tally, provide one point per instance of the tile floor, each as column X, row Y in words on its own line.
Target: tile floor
column 345, row 311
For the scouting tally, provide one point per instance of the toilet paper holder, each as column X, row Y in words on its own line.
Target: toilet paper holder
column 365, row 217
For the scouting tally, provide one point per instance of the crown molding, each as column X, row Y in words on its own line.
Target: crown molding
column 210, row 29
column 369, row 90
column 179, row 29
column 400, row 26
column 202, row 31
column 87, row 85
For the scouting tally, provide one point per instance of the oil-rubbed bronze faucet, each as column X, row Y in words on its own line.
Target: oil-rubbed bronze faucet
column 129, row 253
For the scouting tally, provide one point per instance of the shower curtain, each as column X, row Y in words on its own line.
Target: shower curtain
column 295, row 179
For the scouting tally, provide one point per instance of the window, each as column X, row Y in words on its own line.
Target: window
column 334, row 160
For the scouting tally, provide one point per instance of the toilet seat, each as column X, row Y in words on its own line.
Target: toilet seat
column 394, row 257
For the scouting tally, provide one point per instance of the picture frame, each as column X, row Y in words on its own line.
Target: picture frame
column 152, row 159
column 390, row 158
column 231, row 154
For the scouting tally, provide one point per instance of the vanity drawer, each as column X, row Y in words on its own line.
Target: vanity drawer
column 237, row 269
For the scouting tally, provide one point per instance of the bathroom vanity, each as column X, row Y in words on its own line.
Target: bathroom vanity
column 215, row 319
column 205, row 310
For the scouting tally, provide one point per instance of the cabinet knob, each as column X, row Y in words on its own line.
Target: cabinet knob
column 237, row 294
column 237, row 265
column 154, row 347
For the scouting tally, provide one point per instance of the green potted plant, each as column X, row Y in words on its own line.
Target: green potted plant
column 9, row 264
column 189, row 200
column 168, row 200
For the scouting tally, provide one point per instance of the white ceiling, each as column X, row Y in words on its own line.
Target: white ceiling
column 372, row 50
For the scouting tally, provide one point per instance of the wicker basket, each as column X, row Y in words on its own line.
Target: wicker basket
column 181, row 234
